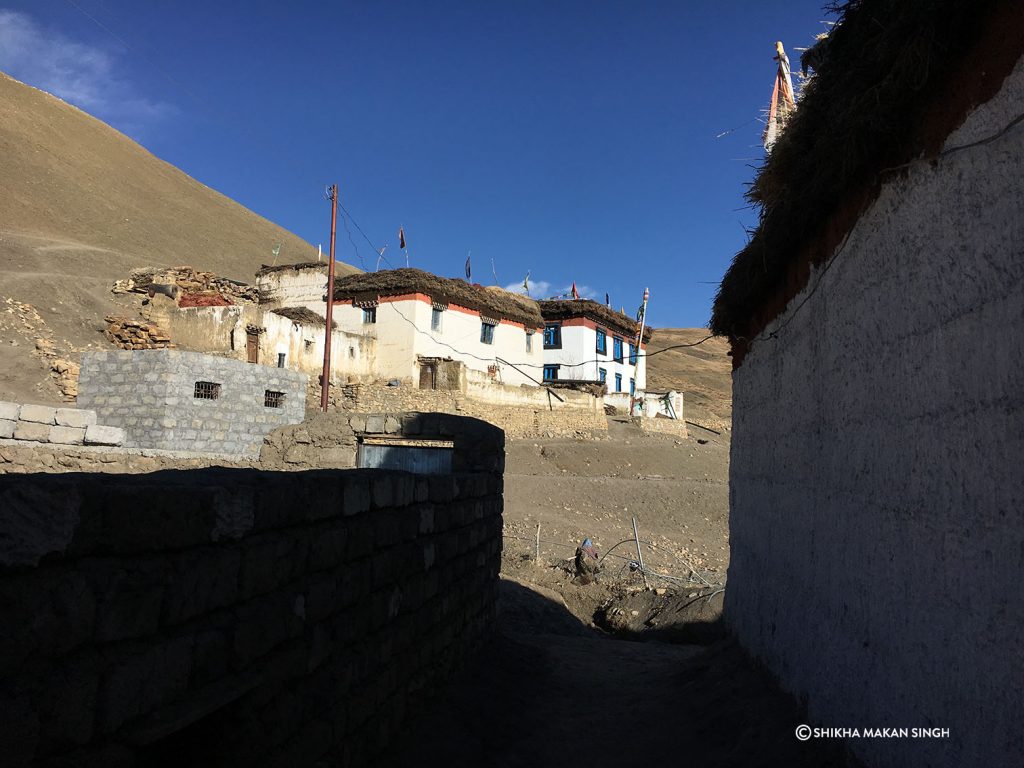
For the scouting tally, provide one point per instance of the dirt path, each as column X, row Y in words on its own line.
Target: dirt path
column 548, row 692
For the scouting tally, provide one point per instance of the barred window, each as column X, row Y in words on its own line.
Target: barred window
column 206, row 390
column 272, row 399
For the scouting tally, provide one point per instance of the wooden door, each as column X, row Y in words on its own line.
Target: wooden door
column 428, row 375
column 252, row 347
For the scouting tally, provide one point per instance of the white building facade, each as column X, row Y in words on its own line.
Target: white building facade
column 586, row 341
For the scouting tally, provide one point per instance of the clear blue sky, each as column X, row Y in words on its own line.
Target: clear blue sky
column 573, row 140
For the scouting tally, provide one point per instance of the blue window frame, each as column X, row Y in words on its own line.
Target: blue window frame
column 632, row 354
column 618, row 382
column 632, row 387
column 552, row 336
column 435, row 319
column 602, row 341
column 370, row 315
column 486, row 333
column 602, row 374
column 617, row 349
column 550, row 373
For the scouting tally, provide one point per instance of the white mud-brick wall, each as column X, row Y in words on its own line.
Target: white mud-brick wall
column 152, row 394
column 58, row 426
column 876, row 469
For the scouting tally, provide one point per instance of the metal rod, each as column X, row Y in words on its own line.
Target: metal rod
column 325, row 381
column 536, row 558
column 640, row 555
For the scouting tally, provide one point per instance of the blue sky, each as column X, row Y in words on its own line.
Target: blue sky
column 574, row 141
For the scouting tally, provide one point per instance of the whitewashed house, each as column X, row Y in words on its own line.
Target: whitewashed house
column 585, row 341
column 440, row 333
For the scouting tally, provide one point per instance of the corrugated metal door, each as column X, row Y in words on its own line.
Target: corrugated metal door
column 422, row 461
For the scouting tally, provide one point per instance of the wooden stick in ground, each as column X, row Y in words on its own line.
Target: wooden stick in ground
column 640, row 555
column 536, row 556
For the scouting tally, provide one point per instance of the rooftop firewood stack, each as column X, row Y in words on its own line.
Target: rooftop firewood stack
column 189, row 281
column 136, row 334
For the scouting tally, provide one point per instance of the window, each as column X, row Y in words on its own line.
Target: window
column 370, row 315
column 280, row 359
column 206, row 390
column 632, row 354
column 529, row 341
column 602, row 374
column 486, row 333
column 617, row 349
column 273, row 399
column 435, row 319
column 550, row 373
column 602, row 341
column 618, row 382
column 632, row 387
column 552, row 336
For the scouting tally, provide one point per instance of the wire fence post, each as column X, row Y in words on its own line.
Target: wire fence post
column 640, row 555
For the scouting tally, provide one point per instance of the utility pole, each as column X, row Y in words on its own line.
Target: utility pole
column 325, row 380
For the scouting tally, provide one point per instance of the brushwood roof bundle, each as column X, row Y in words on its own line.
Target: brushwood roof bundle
column 563, row 309
column 492, row 302
column 891, row 81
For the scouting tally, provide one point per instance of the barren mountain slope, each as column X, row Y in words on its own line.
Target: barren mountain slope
column 80, row 206
column 702, row 373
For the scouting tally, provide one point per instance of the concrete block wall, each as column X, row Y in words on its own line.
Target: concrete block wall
column 876, row 483
column 235, row 616
column 150, row 394
column 59, row 426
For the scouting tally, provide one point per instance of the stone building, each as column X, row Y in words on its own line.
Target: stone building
column 175, row 400
column 587, row 341
column 877, row 327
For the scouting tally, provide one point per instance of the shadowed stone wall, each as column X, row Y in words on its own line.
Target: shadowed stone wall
column 238, row 616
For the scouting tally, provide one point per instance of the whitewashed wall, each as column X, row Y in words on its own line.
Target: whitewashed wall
column 294, row 288
column 579, row 358
column 876, row 481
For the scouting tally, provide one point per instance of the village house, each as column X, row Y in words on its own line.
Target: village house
column 876, row 320
column 585, row 341
column 432, row 331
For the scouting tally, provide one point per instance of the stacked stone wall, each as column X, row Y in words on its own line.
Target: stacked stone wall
column 153, row 396
column 237, row 616
column 58, row 426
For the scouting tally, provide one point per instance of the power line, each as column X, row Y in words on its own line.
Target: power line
column 380, row 251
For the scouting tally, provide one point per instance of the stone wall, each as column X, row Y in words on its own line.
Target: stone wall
column 576, row 417
column 152, row 395
column 674, row 427
column 235, row 616
column 877, row 495
column 58, row 426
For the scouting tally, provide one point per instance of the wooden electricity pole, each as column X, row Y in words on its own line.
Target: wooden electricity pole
column 325, row 379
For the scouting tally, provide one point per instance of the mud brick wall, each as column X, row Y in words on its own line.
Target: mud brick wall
column 571, row 419
column 673, row 427
column 150, row 394
column 237, row 616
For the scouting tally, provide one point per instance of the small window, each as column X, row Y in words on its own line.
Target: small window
column 617, row 349
column 550, row 373
column 272, row 399
column 370, row 315
column 632, row 354
column 308, row 343
column 552, row 336
column 435, row 319
column 206, row 390
column 602, row 374
column 529, row 341
column 280, row 359
column 602, row 342
column 632, row 387
column 618, row 382
column 486, row 333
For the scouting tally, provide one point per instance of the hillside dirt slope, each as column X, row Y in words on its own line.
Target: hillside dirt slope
column 702, row 373
column 81, row 205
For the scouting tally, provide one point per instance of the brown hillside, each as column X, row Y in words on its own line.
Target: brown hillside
column 80, row 206
column 702, row 373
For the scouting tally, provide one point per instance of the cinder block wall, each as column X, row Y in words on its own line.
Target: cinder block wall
column 234, row 616
column 876, row 481
column 150, row 394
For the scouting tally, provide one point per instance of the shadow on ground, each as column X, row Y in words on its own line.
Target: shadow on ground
column 545, row 690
